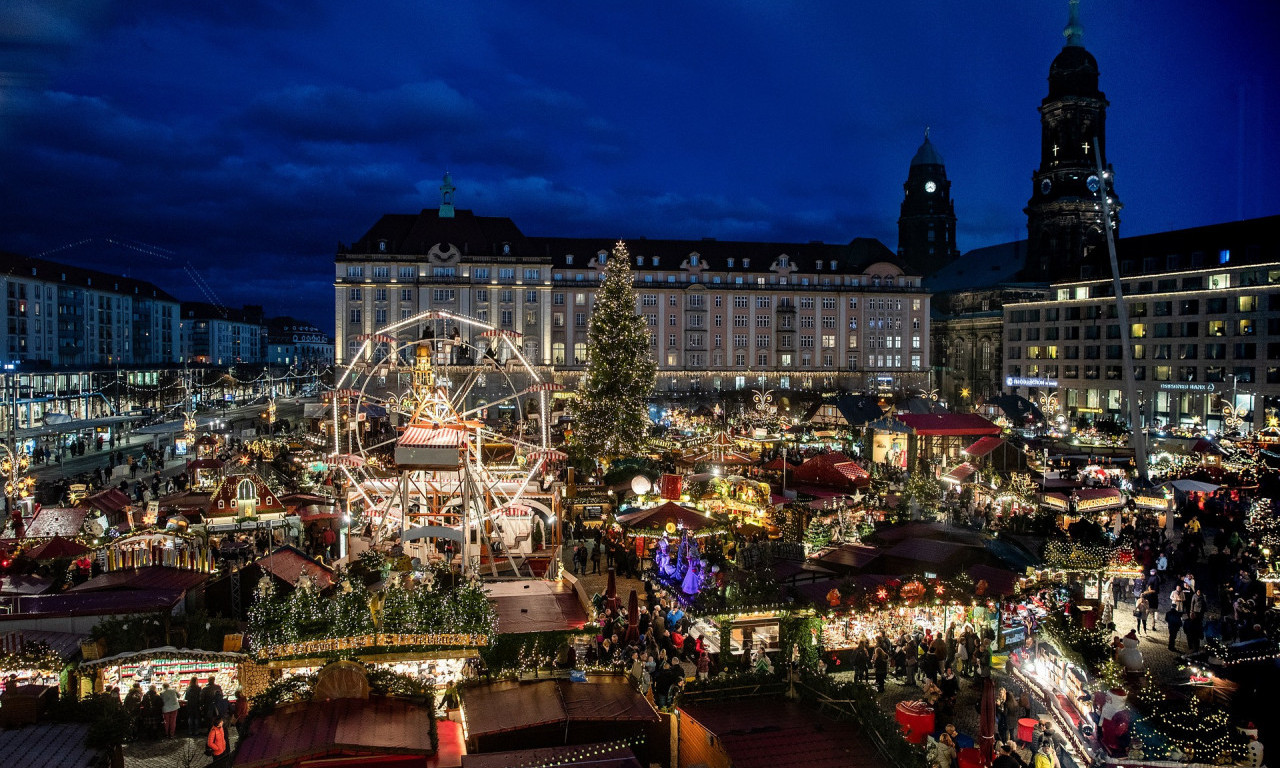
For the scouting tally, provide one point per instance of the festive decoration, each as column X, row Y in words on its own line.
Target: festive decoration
column 612, row 415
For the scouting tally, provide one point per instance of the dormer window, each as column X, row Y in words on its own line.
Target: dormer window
column 693, row 260
column 833, row 265
column 730, row 262
column 782, row 261
column 382, row 246
column 568, row 259
column 639, row 261
column 746, row 263
column 819, row 267
column 653, row 261
column 506, row 249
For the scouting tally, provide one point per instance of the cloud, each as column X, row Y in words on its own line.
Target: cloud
column 411, row 112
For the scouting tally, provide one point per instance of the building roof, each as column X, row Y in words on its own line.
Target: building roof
column 48, row 745
column 416, row 233
column 926, row 550
column 109, row 501
column 594, row 755
column 834, row 470
column 513, row 706
column 152, row 578
column 848, row 557
column 199, row 310
column 662, row 514
column 52, row 271
column 985, row 267
column 983, row 446
column 775, row 733
column 288, row 564
column 963, row 424
column 316, row 729
column 927, row 154
column 535, row 605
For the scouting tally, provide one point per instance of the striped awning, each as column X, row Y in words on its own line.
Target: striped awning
column 431, row 437
column 852, row 470
column 550, row 455
column 499, row 332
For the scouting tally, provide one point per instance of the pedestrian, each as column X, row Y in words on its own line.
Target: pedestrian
column 169, row 706
column 1140, row 612
column 215, row 746
column 595, row 556
column 880, row 660
column 1173, row 618
column 861, row 662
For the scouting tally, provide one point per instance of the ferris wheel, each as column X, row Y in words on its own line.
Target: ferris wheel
column 440, row 425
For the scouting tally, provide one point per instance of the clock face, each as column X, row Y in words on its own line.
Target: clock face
column 1045, row 186
column 1092, row 183
column 929, row 186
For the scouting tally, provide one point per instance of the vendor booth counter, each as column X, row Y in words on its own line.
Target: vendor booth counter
column 176, row 666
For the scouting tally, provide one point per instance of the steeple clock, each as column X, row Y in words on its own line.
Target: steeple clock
column 1064, row 214
column 927, row 222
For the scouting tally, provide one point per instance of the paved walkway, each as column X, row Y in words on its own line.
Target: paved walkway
column 178, row 752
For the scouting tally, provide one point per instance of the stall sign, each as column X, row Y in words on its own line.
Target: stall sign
column 327, row 645
column 593, row 511
column 151, row 514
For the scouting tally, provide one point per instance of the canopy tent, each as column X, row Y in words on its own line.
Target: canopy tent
column 778, row 465
column 1191, row 486
column 1207, row 446
column 1017, row 408
column 661, row 515
column 960, row 473
column 1000, row 455
column 720, row 451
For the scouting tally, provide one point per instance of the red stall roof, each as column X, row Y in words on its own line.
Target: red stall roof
column 659, row 515
column 287, row 564
column 963, row 424
column 774, row 733
column 983, row 447
column 56, row 521
column 312, row 730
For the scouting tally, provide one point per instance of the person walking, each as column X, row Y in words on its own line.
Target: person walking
column 169, row 706
column 1140, row 612
column 1174, row 621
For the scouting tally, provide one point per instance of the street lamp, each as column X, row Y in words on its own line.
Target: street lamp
column 17, row 483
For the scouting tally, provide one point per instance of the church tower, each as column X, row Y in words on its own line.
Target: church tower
column 927, row 221
column 1064, row 214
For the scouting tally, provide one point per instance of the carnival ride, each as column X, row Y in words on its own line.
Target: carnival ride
column 417, row 433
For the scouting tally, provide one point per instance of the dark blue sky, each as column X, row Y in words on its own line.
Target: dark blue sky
column 249, row 137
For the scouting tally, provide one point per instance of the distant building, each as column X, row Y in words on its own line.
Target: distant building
column 62, row 316
column 927, row 223
column 220, row 336
column 296, row 342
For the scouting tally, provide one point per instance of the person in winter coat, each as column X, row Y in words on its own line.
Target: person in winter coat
column 169, row 706
column 1140, row 612
column 861, row 662
column 216, row 744
column 1174, row 619
column 880, row 660
column 191, row 700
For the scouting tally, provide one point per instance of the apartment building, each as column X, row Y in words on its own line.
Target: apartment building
column 722, row 314
column 58, row 315
column 223, row 336
column 291, row 341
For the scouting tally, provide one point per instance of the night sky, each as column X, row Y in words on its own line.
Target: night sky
column 248, row 137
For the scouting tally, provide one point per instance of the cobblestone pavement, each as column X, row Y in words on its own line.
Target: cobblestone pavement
column 179, row 752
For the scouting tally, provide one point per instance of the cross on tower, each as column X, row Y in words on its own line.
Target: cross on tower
column 1055, row 150
column 1086, row 147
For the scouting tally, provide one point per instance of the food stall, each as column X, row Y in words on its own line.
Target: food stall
column 175, row 666
column 758, row 631
column 170, row 549
column 843, row 630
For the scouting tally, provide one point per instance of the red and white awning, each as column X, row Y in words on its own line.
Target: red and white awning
column 346, row 460
column 500, row 332
column 549, row 454
column 430, row 437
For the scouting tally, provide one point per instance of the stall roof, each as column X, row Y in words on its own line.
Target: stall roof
column 24, row 585
column 65, row 644
column 513, row 706
column 594, row 755
column 166, row 652
column 926, row 550
column 859, row 410
column 47, row 745
column 535, row 605
column 56, row 548
column 108, row 501
column 848, row 556
column 56, row 521
column 670, row 511
column 999, row 581
column 206, row 463
column 316, row 729
column 158, row 578
column 95, row 603
column 775, row 733
column 1191, row 486
column 288, row 564
column 960, row 472
column 984, row 446
column 962, row 424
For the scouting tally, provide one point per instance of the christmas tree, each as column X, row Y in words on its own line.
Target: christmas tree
column 817, row 535
column 612, row 418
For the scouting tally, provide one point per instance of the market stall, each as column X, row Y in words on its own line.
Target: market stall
column 170, row 549
column 176, row 666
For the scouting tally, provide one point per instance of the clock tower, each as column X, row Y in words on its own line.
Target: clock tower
column 1065, row 231
column 927, row 222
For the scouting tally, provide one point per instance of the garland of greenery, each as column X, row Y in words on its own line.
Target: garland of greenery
column 305, row 614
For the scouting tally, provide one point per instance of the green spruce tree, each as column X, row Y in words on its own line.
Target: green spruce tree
column 612, row 415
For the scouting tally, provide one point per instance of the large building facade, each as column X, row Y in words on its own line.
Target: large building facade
column 61, row 316
column 723, row 315
column 1204, row 319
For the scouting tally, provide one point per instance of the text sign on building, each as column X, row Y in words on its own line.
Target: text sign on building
column 1180, row 386
column 1029, row 381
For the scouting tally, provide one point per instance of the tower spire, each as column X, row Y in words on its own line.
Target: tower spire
column 446, row 196
column 1074, row 31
